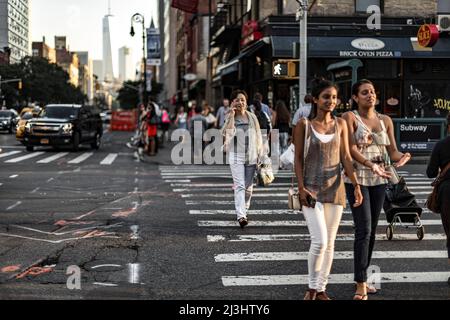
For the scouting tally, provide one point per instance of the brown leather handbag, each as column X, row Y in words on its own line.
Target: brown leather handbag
column 432, row 201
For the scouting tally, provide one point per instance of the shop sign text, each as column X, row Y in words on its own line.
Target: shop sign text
column 442, row 104
column 370, row 54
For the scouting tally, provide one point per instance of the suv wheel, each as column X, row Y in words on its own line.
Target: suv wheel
column 76, row 141
column 96, row 144
column 30, row 148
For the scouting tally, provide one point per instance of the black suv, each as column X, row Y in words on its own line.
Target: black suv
column 64, row 125
column 8, row 120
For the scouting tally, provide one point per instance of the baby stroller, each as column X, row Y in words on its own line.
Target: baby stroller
column 401, row 208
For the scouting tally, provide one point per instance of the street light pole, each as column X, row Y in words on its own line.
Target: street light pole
column 139, row 18
column 302, row 16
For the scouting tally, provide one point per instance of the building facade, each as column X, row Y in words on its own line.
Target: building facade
column 126, row 65
column 41, row 49
column 67, row 60
column 14, row 28
column 86, row 74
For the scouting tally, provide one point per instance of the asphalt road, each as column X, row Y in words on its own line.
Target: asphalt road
column 151, row 230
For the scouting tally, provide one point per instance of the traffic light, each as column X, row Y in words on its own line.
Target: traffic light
column 285, row 69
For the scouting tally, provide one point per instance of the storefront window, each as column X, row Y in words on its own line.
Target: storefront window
column 427, row 99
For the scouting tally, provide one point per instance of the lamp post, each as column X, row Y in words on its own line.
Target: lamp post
column 302, row 16
column 139, row 18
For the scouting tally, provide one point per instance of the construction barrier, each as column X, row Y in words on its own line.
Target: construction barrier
column 123, row 121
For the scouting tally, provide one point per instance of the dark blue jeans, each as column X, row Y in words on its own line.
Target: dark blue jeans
column 365, row 218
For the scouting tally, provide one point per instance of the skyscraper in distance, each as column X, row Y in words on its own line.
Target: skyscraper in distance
column 126, row 68
column 108, row 73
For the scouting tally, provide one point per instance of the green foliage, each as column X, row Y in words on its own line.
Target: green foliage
column 129, row 94
column 42, row 81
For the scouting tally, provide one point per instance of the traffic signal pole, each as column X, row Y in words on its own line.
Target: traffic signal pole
column 302, row 16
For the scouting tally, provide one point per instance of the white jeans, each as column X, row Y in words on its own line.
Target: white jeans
column 243, row 184
column 323, row 223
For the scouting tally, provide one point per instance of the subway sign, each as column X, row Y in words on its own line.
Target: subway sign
column 418, row 137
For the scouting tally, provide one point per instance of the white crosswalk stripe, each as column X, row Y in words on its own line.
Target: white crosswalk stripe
column 25, row 157
column 53, row 158
column 215, row 202
column 109, row 159
column 7, row 154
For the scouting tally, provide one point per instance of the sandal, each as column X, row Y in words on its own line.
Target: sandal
column 322, row 296
column 371, row 289
column 359, row 296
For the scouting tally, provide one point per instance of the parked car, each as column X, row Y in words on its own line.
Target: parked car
column 8, row 120
column 64, row 125
column 106, row 116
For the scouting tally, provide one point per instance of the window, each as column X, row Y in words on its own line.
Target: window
column 362, row 5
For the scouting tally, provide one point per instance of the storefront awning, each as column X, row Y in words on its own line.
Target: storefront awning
column 341, row 47
column 233, row 64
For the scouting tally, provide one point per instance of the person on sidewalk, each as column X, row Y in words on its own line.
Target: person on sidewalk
column 281, row 119
column 320, row 149
column 244, row 144
column 372, row 146
column 222, row 113
column 440, row 158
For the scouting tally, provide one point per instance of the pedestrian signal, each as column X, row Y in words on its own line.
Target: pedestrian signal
column 20, row 85
column 287, row 69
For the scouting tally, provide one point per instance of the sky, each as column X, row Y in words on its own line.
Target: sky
column 81, row 22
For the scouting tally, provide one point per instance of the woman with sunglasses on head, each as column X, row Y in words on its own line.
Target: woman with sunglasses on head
column 318, row 159
column 372, row 146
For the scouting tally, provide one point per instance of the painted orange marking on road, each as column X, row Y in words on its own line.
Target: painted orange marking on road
column 34, row 271
column 10, row 269
column 124, row 213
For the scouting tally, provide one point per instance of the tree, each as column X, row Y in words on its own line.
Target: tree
column 129, row 94
column 42, row 81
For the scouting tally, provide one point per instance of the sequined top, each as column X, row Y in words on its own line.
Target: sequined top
column 322, row 173
column 372, row 145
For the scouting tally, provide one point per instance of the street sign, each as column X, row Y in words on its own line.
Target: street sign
column 286, row 69
column 419, row 135
column 428, row 35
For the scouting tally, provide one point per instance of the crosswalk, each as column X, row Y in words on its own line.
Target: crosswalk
column 48, row 157
column 207, row 192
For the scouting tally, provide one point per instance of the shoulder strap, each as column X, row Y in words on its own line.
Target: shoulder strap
column 383, row 126
column 444, row 171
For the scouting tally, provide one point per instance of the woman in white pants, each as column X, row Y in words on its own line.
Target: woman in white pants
column 320, row 148
column 244, row 144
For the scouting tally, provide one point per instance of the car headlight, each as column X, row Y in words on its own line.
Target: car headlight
column 67, row 128
column 5, row 122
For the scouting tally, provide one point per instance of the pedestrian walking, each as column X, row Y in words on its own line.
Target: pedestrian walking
column 197, row 127
column 439, row 160
column 281, row 119
column 152, row 129
column 244, row 144
column 181, row 119
column 222, row 113
column 372, row 146
column 321, row 147
column 258, row 96
column 209, row 116
column 165, row 124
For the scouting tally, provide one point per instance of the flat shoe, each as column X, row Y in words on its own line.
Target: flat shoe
column 243, row 222
column 371, row 290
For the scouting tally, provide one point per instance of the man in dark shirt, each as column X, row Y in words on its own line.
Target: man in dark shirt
column 439, row 160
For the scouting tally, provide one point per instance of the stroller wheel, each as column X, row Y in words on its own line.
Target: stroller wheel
column 420, row 232
column 389, row 232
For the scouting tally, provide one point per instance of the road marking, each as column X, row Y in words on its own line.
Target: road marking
column 109, row 159
column 54, row 157
column 133, row 272
column 292, row 223
column 18, row 203
column 262, row 212
column 338, row 255
column 25, row 157
column 135, row 232
column 35, row 190
column 346, row 278
column 106, row 265
column 170, row 181
column 14, row 176
column 50, row 180
column 105, row 284
column 81, row 158
column 230, row 202
column 231, row 195
column 7, row 154
column 339, row 237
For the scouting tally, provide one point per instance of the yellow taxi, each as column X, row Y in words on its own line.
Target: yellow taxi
column 25, row 115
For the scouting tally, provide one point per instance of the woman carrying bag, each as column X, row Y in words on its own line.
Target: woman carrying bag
column 372, row 146
column 439, row 165
column 320, row 148
column 244, row 144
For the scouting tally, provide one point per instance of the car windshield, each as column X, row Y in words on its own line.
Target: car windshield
column 27, row 116
column 5, row 113
column 59, row 112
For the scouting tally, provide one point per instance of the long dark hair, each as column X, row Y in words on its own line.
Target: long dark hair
column 318, row 85
column 235, row 93
column 283, row 115
column 355, row 90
